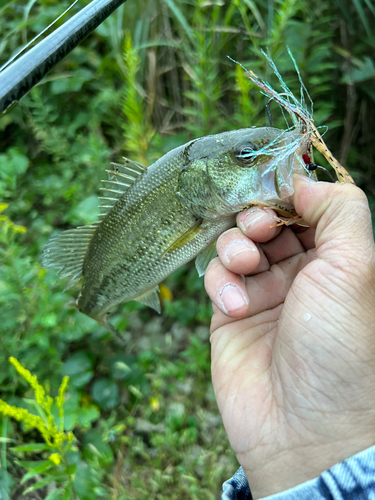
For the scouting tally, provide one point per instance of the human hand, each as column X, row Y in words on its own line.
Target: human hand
column 293, row 361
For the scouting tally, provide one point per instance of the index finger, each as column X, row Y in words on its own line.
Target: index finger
column 258, row 224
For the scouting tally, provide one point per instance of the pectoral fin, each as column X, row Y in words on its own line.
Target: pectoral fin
column 185, row 237
column 151, row 299
column 204, row 258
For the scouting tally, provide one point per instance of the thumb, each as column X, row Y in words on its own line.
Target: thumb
column 341, row 216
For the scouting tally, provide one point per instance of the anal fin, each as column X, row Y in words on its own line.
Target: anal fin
column 151, row 299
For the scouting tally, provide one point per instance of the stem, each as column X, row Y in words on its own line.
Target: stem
column 3, row 444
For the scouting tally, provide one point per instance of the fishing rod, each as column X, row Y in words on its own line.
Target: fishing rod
column 26, row 71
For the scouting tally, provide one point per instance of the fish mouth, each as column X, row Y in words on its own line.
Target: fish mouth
column 277, row 176
column 277, row 184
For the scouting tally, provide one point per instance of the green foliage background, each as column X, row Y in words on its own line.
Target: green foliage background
column 152, row 76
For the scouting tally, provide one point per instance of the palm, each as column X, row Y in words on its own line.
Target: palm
column 274, row 361
column 291, row 374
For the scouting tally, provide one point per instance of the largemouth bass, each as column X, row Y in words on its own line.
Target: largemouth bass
column 156, row 219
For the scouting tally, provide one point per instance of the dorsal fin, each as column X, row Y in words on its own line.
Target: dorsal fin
column 67, row 251
column 120, row 178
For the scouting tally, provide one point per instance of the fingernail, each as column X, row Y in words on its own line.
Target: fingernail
column 232, row 298
column 253, row 218
column 237, row 247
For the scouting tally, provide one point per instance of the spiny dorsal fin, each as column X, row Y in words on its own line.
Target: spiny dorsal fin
column 120, row 178
column 67, row 251
column 204, row 258
column 151, row 299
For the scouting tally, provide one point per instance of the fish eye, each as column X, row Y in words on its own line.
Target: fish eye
column 245, row 153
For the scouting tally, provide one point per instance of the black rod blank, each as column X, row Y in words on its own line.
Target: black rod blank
column 26, row 71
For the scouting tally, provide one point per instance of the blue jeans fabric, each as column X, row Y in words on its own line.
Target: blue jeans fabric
column 352, row 479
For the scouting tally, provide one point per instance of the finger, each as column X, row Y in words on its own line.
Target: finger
column 341, row 216
column 219, row 318
column 237, row 252
column 226, row 289
column 262, row 292
column 258, row 223
column 307, row 238
column 263, row 265
column 269, row 289
column 284, row 246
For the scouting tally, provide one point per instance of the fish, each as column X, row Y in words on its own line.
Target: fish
column 155, row 219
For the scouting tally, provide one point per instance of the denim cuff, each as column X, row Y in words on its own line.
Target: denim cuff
column 352, row 479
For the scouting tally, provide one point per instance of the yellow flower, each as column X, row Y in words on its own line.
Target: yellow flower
column 55, row 458
column 31, row 379
column 9, row 224
column 46, row 426
column 22, row 415
column 59, row 437
column 42, row 272
column 19, row 229
column 60, row 397
column 165, row 293
column 155, row 404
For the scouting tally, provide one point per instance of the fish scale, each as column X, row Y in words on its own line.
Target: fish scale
column 156, row 219
column 139, row 219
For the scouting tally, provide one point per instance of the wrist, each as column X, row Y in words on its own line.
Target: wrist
column 292, row 467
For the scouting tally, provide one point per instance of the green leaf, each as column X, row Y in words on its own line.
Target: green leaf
column 97, row 447
column 39, row 484
column 362, row 16
column 105, row 393
column 35, row 408
column 6, row 440
column 6, row 484
column 12, row 165
column 85, row 480
column 135, row 391
column 79, row 368
column 55, row 494
column 88, row 415
column 31, row 464
column 180, row 18
column 68, row 494
column 121, row 366
column 255, row 11
column 4, row 2
column 366, row 72
column 86, row 211
column 31, row 447
column 38, row 469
